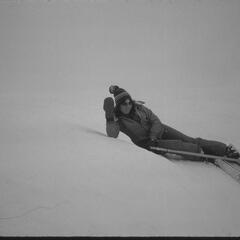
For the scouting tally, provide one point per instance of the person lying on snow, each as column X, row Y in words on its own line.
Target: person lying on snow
column 146, row 130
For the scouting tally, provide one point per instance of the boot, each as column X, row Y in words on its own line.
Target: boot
column 232, row 152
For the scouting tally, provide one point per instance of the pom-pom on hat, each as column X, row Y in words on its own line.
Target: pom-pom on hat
column 120, row 94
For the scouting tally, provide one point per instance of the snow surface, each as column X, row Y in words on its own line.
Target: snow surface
column 59, row 172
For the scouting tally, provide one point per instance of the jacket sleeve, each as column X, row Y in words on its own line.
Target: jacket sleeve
column 112, row 128
column 157, row 128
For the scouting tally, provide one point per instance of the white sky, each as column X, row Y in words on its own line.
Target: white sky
column 181, row 43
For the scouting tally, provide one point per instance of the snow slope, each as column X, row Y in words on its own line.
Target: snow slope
column 63, row 176
column 59, row 172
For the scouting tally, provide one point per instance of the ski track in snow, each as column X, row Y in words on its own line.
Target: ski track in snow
column 29, row 211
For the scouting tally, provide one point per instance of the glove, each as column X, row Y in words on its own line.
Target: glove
column 108, row 107
column 152, row 142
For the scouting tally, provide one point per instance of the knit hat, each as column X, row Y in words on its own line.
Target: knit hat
column 120, row 94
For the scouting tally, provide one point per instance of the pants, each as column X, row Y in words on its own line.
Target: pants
column 175, row 140
column 208, row 146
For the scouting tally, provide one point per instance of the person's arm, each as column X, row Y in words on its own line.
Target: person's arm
column 112, row 128
column 157, row 128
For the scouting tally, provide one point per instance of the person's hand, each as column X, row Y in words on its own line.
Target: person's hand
column 108, row 106
column 152, row 142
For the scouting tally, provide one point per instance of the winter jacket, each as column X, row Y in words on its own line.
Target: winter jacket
column 145, row 125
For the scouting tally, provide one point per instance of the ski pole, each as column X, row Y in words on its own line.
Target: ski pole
column 166, row 150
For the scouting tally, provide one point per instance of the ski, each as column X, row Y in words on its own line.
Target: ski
column 229, row 168
column 228, row 165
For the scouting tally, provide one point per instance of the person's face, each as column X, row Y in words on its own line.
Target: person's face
column 126, row 106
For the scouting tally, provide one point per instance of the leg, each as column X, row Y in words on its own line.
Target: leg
column 181, row 146
column 209, row 147
column 172, row 134
column 173, row 144
column 212, row 147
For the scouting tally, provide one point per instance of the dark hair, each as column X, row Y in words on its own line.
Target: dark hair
column 118, row 112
